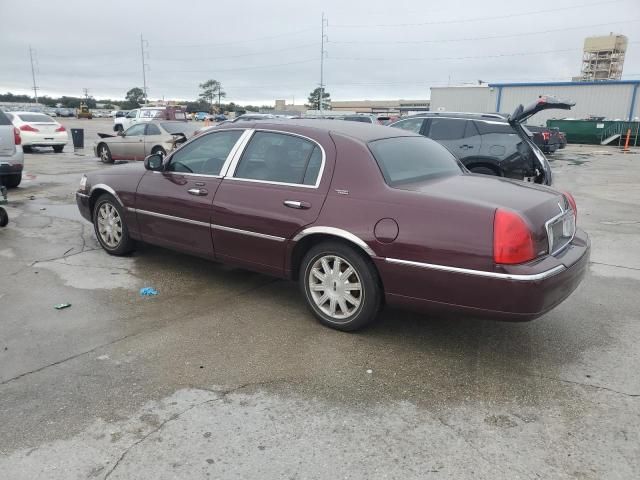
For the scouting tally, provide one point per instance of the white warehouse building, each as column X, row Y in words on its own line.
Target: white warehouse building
column 612, row 99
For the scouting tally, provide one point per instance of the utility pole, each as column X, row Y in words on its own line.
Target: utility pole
column 86, row 95
column 144, row 69
column 33, row 75
column 324, row 39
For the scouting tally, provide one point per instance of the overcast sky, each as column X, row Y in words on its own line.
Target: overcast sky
column 262, row 50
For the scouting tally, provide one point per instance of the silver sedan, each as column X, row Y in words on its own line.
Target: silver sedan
column 142, row 139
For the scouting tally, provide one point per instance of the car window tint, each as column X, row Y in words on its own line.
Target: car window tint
column 411, row 159
column 4, row 119
column 180, row 127
column 153, row 129
column 275, row 157
column 205, row 155
column 486, row 127
column 35, row 117
column 135, row 130
column 470, row 130
column 132, row 114
column 446, row 128
column 313, row 168
column 411, row 124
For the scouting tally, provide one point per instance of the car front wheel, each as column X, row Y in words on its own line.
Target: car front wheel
column 110, row 226
column 11, row 181
column 341, row 286
column 104, row 153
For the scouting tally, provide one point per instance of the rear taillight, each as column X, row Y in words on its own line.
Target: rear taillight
column 512, row 239
column 546, row 136
column 16, row 136
column 28, row 128
column 572, row 202
column 61, row 129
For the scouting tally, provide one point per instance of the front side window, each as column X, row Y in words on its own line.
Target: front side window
column 412, row 159
column 151, row 113
column 281, row 158
column 411, row 124
column 135, row 131
column 205, row 155
column 152, row 129
column 447, row 129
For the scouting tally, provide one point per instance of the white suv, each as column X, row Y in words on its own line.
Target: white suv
column 11, row 155
column 146, row 114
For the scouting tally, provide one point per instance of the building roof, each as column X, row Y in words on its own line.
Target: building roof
column 564, row 84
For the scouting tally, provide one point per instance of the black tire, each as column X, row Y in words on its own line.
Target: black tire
column 369, row 296
column 58, row 148
column 483, row 171
column 159, row 150
column 104, row 153
column 125, row 244
column 11, row 181
column 4, row 217
column 27, row 149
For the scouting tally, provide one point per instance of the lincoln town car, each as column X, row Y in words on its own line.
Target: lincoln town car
column 360, row 216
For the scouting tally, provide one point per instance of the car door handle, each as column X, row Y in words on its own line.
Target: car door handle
column 297, row 204
column 199, row 192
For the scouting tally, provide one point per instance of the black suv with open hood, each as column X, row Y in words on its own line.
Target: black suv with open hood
column 489, row 143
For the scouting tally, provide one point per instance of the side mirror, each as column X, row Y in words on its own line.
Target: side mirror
column 154, row 162
column 121, row 133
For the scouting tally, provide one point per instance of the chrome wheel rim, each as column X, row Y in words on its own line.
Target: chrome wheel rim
column 109, row 225
column 335, row 287
column 104, row 154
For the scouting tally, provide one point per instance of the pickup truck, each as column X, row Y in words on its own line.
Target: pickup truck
column 146, row 114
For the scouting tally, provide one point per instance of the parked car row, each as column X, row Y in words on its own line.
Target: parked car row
column 360, row 216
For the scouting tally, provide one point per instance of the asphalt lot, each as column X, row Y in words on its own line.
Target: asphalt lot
column 225, row 374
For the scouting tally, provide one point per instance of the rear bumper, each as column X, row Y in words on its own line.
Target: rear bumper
column 515, row 293
column 10, row 165
column 48, row 139
column 84, row 205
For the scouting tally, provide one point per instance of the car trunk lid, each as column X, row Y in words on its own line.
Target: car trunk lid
column 522, row 113
column 541, row 207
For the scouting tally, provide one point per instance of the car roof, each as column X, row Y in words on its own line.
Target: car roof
column 479, row 116
column 364, row 132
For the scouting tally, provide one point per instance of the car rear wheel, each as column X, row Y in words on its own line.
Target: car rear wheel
column 483, row 171
column 340, row 286
column 11, row 181
column 110, row 226
column 27, row 149
column 4, row 217
column 104, row 153
column 58, row 148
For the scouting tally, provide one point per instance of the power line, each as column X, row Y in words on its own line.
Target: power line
column 191, row 59
column 488, row 37
column 478, row 19
column 236, row 42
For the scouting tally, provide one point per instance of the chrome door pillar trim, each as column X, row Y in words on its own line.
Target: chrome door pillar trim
column 248, row 233
column 336, row 232
column 480, row 273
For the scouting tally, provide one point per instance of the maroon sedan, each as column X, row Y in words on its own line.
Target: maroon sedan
column 360, row 215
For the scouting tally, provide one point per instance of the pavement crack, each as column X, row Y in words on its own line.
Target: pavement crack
column 598, row 387
column 172, row 418
column 616, row 266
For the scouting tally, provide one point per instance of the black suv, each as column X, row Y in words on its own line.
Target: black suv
column 488, row 143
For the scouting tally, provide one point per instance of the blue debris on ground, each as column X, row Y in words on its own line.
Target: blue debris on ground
column 148, row 292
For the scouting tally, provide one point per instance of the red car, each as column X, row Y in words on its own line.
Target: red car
column 360, row 215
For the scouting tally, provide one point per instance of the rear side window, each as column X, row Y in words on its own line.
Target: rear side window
column 35, row 117
column 153, row 129
column 4, row 120
column 411, row 124
column 486, row 127
column 447, row 128
column 276, row 157
column 412, row 159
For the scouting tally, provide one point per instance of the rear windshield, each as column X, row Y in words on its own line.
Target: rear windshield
column 36, row 117
column 4, row 120
column 411, row 159
column 358, row 119
column 174, row 128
